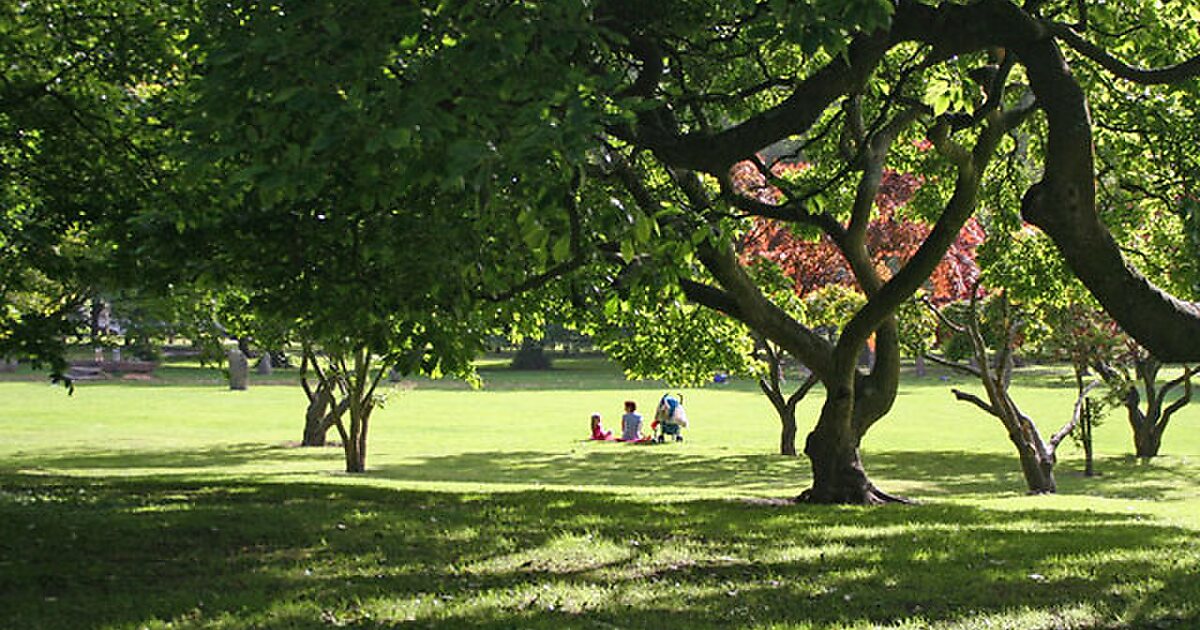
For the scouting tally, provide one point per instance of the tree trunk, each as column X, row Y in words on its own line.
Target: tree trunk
column 315, row 427
column 787, row 437
column 1146, row 439
column 919, row 366
column 1085, row 437
column 832, row 448
column 96, row 313
column 1038, row 467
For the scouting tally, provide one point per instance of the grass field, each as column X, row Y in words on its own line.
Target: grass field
column 177, row 503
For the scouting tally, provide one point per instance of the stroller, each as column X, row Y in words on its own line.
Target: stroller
column 669, row 418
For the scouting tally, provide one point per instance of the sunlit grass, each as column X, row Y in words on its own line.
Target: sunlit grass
column 181, row 504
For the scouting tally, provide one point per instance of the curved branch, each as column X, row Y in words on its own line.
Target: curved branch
column 975, row 400
column 1181, row 401
column 716, row 152
column 1076, row 414
column 1144, row 76
column 1063, row 204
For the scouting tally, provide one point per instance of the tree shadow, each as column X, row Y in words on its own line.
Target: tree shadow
column 238, row 554
column 620, row 467
column 183, row 460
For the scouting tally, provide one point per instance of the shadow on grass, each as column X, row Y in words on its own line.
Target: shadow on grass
column 667, row 467
column 76, row 553
column 214, row 458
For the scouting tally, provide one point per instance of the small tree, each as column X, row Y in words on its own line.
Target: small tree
column 1079, row 332
column 771, row 382
column 347, row 384
column 1148, row 423
column 994, row 371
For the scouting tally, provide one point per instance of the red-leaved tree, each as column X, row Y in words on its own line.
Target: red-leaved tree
column 813, row 264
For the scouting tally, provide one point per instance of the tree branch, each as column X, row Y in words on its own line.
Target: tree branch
column 975, row 400
column 1076, row 414
column 717, row 152
column 954, row 365
column 1145, row 76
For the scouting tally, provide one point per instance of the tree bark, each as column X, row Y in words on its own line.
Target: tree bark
column 832, row 447
column 1037, row 466
column 1150, row 425
column 1089, row 456
column 315, row 428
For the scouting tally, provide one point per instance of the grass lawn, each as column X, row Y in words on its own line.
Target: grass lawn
column 176, row 503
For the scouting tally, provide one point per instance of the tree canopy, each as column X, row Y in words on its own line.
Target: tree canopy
column 381, row 165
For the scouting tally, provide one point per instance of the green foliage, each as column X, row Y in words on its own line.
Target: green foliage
column 80, row 140
column 661, row 336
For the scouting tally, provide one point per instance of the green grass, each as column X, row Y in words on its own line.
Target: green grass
column 177, row 503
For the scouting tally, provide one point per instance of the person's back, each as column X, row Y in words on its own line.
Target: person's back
column 631, row 423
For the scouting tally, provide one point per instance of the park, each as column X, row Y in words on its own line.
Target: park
column 319, row 314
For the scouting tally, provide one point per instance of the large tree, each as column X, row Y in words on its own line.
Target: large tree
column 598, row 140
column 80, row 149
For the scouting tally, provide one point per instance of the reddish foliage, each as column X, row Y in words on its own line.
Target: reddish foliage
column 890, row 240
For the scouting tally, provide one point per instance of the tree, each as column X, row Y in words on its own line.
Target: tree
column 1038, row 455
column 1150, row 423
column 79, row 151
column 1083, row 335
column 573, row 140
column 499, row 108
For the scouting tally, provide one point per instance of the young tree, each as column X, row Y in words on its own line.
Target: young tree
column 1148, row 424
column 1038, row 455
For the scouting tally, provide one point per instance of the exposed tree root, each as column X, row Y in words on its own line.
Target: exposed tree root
column 870, row 495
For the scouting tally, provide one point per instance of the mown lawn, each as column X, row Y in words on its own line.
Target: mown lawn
column 177, row 503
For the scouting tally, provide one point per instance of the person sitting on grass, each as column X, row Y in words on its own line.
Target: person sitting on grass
column 598, row 432
column 631, row 423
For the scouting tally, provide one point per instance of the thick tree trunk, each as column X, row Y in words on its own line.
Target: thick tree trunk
column 315, row 426
column 832, row 448
column 1147, row 440
column 314, row 433
column 1038, row 467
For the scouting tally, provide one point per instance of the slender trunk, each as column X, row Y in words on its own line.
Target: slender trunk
column 787, row 436
column 919, row 365
column 361, row 392
column 772, row 386
column 1085, row 437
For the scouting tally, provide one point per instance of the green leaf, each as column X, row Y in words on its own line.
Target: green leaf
column 398, row 137
column 562, row 249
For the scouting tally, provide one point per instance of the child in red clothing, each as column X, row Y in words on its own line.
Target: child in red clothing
column 598, row 432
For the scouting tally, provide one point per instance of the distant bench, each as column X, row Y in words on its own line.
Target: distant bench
column 96, row 370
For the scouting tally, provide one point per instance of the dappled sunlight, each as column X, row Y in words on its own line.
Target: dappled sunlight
column 305, row 555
